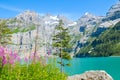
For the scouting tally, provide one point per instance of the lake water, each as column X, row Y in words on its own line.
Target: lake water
column 110, row 64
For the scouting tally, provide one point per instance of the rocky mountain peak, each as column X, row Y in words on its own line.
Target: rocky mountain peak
column 88, row 15
column 28, row 16
column 50, row 17
column 88, row 18
column 114, row 11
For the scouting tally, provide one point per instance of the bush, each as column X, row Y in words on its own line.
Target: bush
column 12, row 69
column 31, row 72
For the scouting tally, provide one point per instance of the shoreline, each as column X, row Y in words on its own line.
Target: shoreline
column 114, row 56
column 96, row 57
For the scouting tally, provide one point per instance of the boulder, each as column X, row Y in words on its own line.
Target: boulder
column 91, row 75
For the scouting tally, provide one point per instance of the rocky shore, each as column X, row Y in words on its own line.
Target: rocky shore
column 91, row 75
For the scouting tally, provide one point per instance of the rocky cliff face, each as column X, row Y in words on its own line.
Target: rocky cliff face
column 87, row 24
column 114, row 12
column 90, row 26
column 81, row 30
column 24, row 40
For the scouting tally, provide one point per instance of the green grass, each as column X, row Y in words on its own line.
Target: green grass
column 31, row 72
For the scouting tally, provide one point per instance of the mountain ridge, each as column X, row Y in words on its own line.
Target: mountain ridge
column 80, row 30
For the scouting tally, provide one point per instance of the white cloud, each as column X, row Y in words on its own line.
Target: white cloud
column 10, row 8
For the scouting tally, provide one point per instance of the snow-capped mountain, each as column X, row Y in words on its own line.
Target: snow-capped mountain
column 90, row 24
column 114, row 12
column 88, row 18
column 44, row 29
column 80, row 30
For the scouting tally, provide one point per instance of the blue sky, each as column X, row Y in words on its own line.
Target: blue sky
column 73, row 9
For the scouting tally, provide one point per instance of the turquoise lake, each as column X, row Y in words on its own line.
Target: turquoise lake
column 110, row 64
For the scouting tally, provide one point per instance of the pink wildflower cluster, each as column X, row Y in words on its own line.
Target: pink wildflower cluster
column 8, row 56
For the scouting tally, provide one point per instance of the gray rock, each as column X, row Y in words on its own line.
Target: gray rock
column 114, row 12
column 91, row 75
column 80, row 30
column 24, row 42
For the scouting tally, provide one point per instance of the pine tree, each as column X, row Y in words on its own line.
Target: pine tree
column 5, row 32
column 61, row 43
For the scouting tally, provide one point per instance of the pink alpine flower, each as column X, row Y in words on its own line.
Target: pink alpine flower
column 1, row 51
column 4, row 61
column 26, row 59
column 11, row 61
